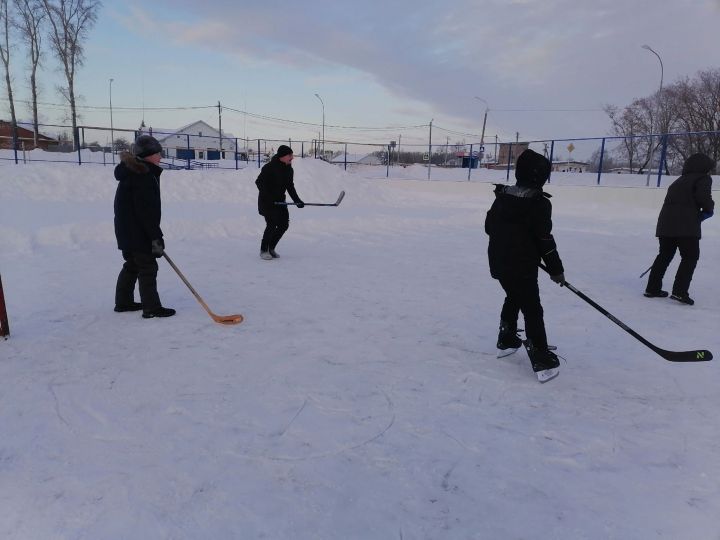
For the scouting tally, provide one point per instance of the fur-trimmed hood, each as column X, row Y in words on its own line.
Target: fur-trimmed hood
column 130, row 164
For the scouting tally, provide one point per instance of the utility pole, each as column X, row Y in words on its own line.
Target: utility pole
column 220, row 127
column 430, row 148
column 112, row 133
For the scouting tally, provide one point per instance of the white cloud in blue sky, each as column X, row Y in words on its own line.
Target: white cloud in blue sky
column 395, row 63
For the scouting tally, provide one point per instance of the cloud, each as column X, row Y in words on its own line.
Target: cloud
column 519, row 53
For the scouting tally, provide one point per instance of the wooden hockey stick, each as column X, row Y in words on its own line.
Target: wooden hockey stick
column 222, row 319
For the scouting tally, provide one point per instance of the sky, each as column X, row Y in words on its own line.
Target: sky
column 543, row 69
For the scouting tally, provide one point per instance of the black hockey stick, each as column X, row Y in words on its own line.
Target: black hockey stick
column 336, row 203
column 700, row 355
column 646, row 271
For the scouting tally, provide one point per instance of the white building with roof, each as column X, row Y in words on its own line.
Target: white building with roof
column 198, row 140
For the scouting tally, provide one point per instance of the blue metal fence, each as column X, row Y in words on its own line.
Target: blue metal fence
column 649, row 157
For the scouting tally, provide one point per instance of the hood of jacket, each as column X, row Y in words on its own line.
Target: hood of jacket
column 129, row 164
column 698, row 163
column 532, row 169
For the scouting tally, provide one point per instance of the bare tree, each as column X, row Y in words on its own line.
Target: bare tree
column 70, row 21
column 30, row 20
column 5, row 28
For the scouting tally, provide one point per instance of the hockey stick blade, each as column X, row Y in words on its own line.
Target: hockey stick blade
column 336, row 203
column 221, row 319
column 699, row 355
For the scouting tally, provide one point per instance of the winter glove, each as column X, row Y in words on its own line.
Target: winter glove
column 158, row 248
column 706, row 214
column 559, row 278
column 300, row 204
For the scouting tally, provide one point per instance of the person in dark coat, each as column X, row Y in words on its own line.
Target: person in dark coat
column 276, row 177
column 137, row 227
column 519, row 224
column 688, row 202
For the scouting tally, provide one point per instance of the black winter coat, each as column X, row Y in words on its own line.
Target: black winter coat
column 519, row 224
column 137, row 204
column 274, row 180
column 685, row 199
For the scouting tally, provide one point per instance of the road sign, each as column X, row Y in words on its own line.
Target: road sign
column 426, row 157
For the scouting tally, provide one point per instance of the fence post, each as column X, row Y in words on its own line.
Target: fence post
column 236, row 154
column 187, row 136
column 507, row 174
column 258, row 153
column 602, row 154
column 77, row 138
column 387, row 165
column 302, row 149
column 662, row 159
column 346, row 156
column 552, row 151
column 470, row 162
column 4, row 325
column 15, row 143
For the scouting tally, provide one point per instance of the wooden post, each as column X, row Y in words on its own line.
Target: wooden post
column 4, row 326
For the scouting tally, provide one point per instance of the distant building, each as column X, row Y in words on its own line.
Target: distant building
column 26, row 141
column 198, row 140
column 509, row 152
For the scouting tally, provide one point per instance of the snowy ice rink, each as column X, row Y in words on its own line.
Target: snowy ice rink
column 361, row 398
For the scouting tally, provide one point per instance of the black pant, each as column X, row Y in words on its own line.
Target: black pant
column 141, row 268
column 689, row 254
column 277, row 221
column 523, row 295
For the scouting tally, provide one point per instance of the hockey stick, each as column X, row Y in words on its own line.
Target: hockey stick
column 222, row 319
column 699, row 355
column 646, row 271
column 336, row 203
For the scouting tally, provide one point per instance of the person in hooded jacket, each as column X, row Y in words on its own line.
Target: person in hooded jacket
column 275, row 178
column 137, row 227
column 519, row 225
column 688, row 202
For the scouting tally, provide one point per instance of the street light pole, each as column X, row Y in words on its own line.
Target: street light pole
column 652, row 148
column 323, row 124
column 482, row 135
column 112, row 134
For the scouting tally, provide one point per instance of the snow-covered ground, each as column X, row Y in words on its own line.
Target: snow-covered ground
column 361, row 398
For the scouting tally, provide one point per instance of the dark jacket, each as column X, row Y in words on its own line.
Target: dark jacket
column 137, row 204
column 686, row 198
column 274, row 180
column 519, row 224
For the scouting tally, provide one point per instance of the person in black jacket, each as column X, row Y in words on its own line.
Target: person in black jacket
column 688, row 202
column 137, row 227
column 519, row 225
column 276, row 177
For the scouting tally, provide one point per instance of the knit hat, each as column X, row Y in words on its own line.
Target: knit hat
column 532, row 169
column 283, row 150
column 146, row 145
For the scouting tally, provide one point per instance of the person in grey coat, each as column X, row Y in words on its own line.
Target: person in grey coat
column 687, row 203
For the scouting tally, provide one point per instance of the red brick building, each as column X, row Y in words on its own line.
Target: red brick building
column 25, row 138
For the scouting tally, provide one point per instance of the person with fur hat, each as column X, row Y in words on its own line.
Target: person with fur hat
column 275, row 178
column 519, row 225
column 137, row 227
column 688, row 202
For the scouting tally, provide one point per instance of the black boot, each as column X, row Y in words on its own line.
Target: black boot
column 684, row 298
column 544, row 362
column 132, row 306
column 158, row 312
column 508, row 341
